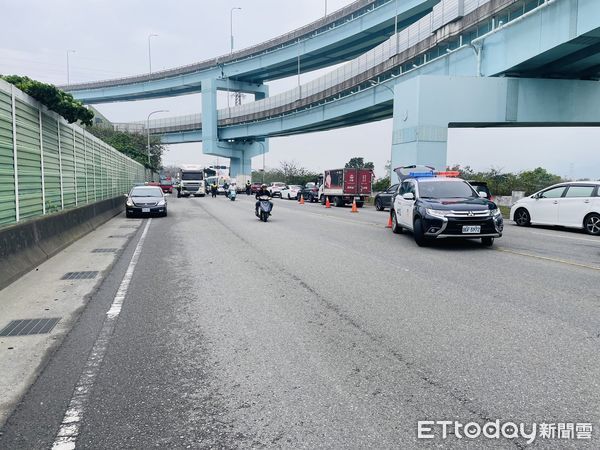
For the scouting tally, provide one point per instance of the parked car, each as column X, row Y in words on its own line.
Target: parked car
column 384, row 199
column 573, row 205
column 255, row 187
column 482, row 186
column 310, row 192
column 166, row 184
column 275, row 188
column 146, row 200
column 291, row 192
column 435, row 205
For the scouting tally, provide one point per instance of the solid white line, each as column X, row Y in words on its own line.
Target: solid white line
column 68, row 432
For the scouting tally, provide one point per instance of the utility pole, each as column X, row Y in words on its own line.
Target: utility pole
column 68, row 68
column 150, row 52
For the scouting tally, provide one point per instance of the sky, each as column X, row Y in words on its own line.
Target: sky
column 110, row 39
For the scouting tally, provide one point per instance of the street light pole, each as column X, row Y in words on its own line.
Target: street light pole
column 68, row 69
column 148, row 130
column 150, row 52
column 325, row 8
column 231, row 26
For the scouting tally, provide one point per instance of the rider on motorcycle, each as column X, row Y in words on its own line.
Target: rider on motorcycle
column 262, row 192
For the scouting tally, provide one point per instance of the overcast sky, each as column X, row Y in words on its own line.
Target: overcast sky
column 110, row 39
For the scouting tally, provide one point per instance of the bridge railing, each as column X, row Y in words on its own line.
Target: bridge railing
column 343, row 15
column 418, row 44
column 47, row 165
column 443, row 13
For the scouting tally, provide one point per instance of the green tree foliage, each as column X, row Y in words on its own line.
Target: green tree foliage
column 53, row 98
column 359, row 163
column 501, row 183
column 289, row 172
column 381, row 184
column 133, row 145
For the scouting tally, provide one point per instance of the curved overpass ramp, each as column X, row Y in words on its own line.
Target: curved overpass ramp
column 336, row 38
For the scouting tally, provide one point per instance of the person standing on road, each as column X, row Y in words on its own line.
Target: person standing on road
column 213, row 189
column 248, row 188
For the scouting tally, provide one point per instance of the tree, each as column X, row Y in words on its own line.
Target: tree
column 359, row 163
column 53, row 98
column 133, row 145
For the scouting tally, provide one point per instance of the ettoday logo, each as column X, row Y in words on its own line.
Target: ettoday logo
column 429, row 429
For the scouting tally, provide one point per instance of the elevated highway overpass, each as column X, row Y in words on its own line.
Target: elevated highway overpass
column 465, row 61
column 331, row 40
column 503, row 61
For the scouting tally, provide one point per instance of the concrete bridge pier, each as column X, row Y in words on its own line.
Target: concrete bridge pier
column 424, row 106
column 239, row 152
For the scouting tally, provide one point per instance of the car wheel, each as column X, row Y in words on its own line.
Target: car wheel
column 487, row 241
column 395, row 227
column 419, row 233
column 339, row 202
column 322, row 200
column 378, row 206
column 289, row 198
column 592, row 224
column 522, row 217
column 360, row 204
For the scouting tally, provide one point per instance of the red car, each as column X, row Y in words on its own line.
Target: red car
column 255, row 187
column 166, row 185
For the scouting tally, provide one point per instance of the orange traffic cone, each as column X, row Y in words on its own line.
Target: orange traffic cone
column 302, row 200
column 389, row 225
column 354, row 208
column 327, row 203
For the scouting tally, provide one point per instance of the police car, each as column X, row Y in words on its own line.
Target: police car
column 435, row 205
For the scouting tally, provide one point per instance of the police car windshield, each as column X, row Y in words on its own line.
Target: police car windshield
column 445, row 189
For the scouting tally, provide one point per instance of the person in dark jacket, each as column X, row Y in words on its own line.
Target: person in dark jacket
column 262, row 192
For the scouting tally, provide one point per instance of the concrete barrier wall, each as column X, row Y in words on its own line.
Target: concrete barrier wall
column 25, row 245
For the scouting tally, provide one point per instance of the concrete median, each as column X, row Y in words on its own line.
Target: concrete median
column 25, row 245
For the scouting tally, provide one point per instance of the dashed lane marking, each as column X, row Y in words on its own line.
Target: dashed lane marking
column 68, row 432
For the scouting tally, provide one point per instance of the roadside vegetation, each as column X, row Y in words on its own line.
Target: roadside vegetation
column 53, row 98
column 133, row 145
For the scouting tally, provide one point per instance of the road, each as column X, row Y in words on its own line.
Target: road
column 323, row 329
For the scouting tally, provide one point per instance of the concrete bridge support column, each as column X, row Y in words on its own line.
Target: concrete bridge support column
column 239, row 152
column 424, row 106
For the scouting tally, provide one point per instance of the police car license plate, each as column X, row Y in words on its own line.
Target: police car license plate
column 148, row 210
column 471, row 229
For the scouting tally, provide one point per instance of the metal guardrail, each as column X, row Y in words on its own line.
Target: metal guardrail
column 47, row 165
column 347, row 13
column 417, row 43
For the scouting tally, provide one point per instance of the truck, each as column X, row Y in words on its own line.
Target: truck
column 191, row 181
column 343, row 186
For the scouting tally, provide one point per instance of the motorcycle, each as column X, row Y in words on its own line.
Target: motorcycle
column 232, row 195
column 264, row 209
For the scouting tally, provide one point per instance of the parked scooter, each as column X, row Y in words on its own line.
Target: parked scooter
column 264, row 208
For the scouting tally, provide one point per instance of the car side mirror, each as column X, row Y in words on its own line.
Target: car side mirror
column 126, row 195
column 483, row 194
column 408, row 196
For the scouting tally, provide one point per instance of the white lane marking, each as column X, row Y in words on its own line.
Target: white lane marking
column 547, row 258
column 596, row 241
column 68, row 432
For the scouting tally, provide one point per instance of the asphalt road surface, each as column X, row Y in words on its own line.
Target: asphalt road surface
column 321, row 328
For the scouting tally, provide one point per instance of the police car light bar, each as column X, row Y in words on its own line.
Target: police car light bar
column 448, row 173
column 421, row 174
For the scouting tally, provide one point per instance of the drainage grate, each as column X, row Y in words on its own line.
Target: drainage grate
column 129, row 226
column 29, row 326
column 119, row 236
column 105, row 250
column 79, row 275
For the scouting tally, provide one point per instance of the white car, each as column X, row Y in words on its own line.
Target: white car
column 574, row 204
column 290, row 192
column 275, row 188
